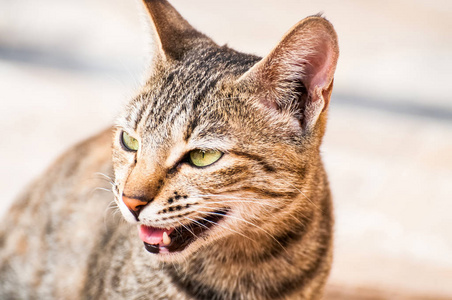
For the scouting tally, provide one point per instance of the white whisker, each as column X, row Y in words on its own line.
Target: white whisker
column 251, row 200
column 312, row 202
column 247, row 222
column 196, row 222
column 104, row 177
column 227, row 228
column 112, row 206
column 102, row 189
column 187, row 229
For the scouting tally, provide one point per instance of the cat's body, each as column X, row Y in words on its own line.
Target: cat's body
column 255, row 222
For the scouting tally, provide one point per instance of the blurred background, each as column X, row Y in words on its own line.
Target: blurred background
column 67, row 68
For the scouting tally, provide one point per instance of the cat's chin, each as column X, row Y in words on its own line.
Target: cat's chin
column 170, row 244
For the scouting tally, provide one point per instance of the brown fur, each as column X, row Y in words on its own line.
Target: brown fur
column 267, row 116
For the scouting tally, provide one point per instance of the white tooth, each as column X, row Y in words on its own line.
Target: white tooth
column 166, row 239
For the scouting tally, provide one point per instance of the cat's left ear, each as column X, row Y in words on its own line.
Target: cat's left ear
column 172, row 35
column 298, row 74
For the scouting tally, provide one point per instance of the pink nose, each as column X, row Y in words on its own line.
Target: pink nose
column 134, row 205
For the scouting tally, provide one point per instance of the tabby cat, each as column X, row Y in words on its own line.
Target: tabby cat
column 216, row 162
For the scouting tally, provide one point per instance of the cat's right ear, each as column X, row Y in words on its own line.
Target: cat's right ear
column 172, row 35
column 297, row 75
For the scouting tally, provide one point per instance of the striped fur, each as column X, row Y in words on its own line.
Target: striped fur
column 266, row 115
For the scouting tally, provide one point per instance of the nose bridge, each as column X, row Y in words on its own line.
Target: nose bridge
column 142, row 185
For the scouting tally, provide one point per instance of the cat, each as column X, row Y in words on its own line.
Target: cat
column 216, row 161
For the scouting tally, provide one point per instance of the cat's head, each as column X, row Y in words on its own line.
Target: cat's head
column 221, row 145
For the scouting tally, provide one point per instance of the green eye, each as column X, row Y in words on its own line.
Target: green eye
column 129, row 142
column 203, row 158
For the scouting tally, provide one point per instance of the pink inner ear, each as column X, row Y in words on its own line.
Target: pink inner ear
column 321, row 67
column 307, row 54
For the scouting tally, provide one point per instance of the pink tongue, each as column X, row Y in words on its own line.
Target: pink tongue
column 152, row 235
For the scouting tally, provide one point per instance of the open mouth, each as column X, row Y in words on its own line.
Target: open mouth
column 160, row 240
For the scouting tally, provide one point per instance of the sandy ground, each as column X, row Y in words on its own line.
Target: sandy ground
column 67, row 67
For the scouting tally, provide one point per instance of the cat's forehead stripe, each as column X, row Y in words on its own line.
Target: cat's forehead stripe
column 140, row 111
column 186, row 86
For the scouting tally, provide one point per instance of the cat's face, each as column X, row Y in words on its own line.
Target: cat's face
column 220, row 145
column 206, row 165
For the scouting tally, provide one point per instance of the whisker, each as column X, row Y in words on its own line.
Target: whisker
column 101, row 175
column 240, row 200
column 196, row 222
column 99, row 189
column 112, row 206
column 102, row 189
column 312, row 202
column 231, row 197
column 250, row 223
column 243, row 200
column 227, row 228
column 187, row 229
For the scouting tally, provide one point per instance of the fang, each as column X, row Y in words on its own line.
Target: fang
column 166, row 239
